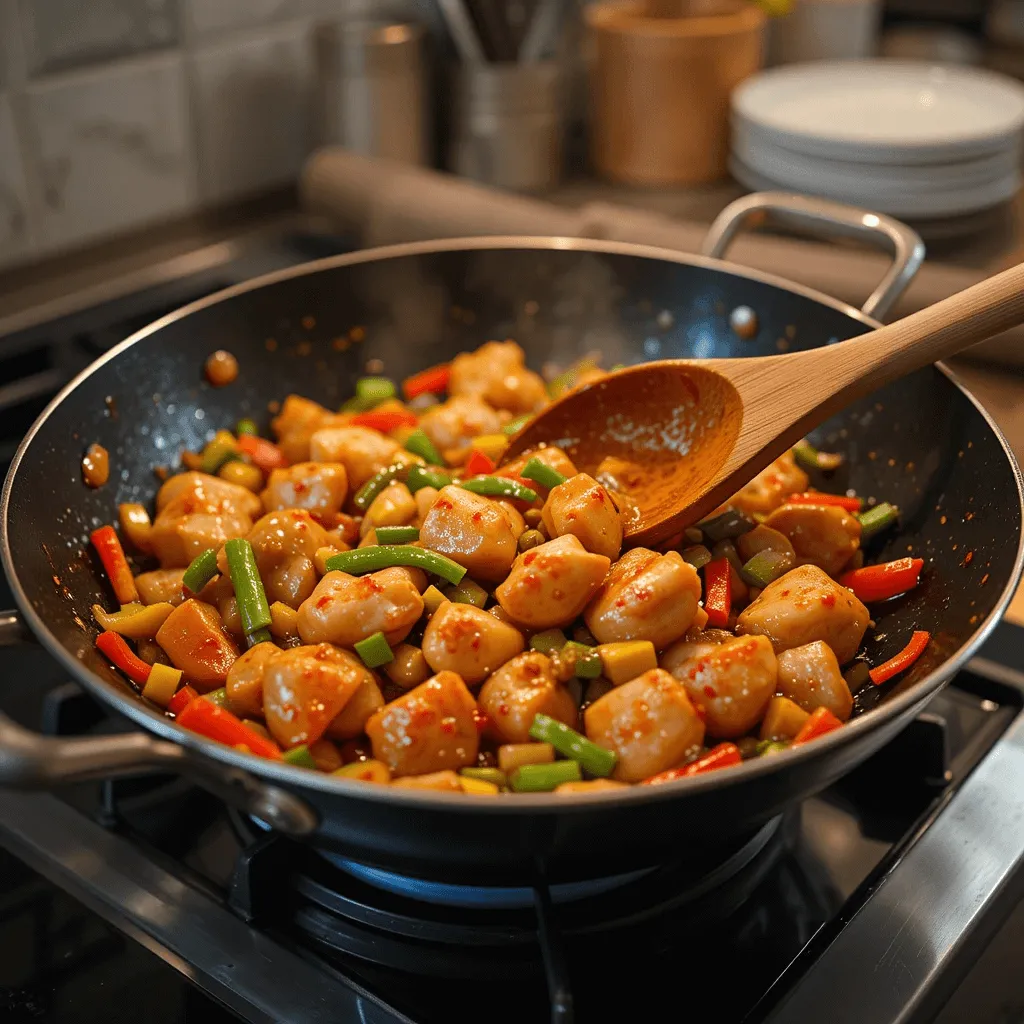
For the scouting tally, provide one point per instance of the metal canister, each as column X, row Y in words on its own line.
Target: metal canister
column 372, row 82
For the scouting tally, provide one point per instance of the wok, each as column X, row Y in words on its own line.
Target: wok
column 922, row 443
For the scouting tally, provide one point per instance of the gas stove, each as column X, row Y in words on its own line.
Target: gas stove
column 872, row 902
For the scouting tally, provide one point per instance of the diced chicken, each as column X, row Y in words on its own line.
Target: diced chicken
column 771, row 486
column 806, row 605
column 582, row 507
column 316, row 486
column 520, row 690
column 305, row 688
column 550, row 585
column 429, row 729
column 362, row 451
column 810, row 676
column 733, row 682
column 345, row 609
column 200, row 492
column 290, row 581
column 650, row 724
column 161, row 585
column 297, row 422
column 394, row 506
column 244, row 683
column 550, row 456
column 479, row 533
column 366, row 701
column 231, row 619
column 685, row 653
column 496, row 373
column 646, row 596
column 823, row 535
column 453, row 424
column 464, row 639
column 193, row 637
column 763, row 538
column 424, row 498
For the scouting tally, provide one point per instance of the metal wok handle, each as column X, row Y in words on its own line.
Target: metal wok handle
column 824, row 217
column 31, row 761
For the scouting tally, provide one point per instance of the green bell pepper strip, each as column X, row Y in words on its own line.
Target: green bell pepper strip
column 498, row 487
column 374, row 650
column 419, row 444
column 728, row 525
column 467, row 592
column 375, row 389
column 360, row 561
column 299, row 756
column 698, row 556
column 569, row 743
column 765, row 567
column 249, row 593
column 514, row 426
column 876, row 519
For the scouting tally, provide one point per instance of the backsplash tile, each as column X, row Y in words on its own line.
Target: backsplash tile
column 251, row 100
column 15, row 233
column 67, row 33
column 209, row 17
column 112, row 149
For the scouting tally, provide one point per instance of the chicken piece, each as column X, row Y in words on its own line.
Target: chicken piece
column 763, row 538
column 582, row 507
column 520, row 690
column 465, row 639
column 453, row 424
column 161, row 585
column 733, row 682
column 200, row 492
column 366, row 701
column 550, row 456
column 394, row 506
column 685, row 653
column 244, row 683
column 231, row 619
column 424, row 498
column 646, row 596
column 345, row 609
column 193, row 637
column 362, row 451
column 810, row 676
column 550, row 585
column 496, row 373
column 315, row 486
column 479, row 533
column 290, row 582
column 297, row 422
column 805, row 605
column 771, row 486
column 823, row 535
column 429, row 729
column 649, row 723
column 305, row 688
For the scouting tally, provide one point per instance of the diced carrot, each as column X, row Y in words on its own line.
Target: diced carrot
column 821, row 721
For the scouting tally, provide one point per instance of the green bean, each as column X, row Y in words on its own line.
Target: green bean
column 419, row 444
column 542, row 778
column 498, row 487
column 259, row 636
column 586, row 660
column 200, row 571
column 245, row 578
column 569, row 743
column 365, row 495
column 809, row 458
column 541, row 473
column 876, row 519
column 467, row 592
column 493, row 775
column 421, row 476
column 360, row 561
column 374, row 650
column 396, row 534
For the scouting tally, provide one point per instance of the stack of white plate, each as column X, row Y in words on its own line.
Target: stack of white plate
column 914, row 140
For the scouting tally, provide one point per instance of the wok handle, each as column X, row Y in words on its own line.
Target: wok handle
column 31, row 761
column 824, row 217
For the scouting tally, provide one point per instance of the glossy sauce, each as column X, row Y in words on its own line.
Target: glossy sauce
column 96, row 466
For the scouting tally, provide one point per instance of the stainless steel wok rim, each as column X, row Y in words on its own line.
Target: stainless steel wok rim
column 298, row 778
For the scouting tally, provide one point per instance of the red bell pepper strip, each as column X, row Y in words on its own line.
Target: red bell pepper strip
column 429, row 382
column 902, row 661
column 880, row 582
column 820, row 498
column 479, row 464
column 822, row 721
column 217, row 723
column 717, row 592
column 263, row 453
column 384, row 420
column 108, row 547
column 114, row 646
column 723, row 756
column 181, row 700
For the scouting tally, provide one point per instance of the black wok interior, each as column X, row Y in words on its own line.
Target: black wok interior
column 919, row 443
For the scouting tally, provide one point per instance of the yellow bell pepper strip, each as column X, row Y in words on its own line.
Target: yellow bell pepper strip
column 123, row 657
column 569, row 743
column 216, row 723
column 361, row 561
column 162, row 684
column 902, row 661
column 137, row 621
column 366, row 771
column 136, row 525
column 108, row 547
column 491, row 445
column 478, row 787
column 626, row 659
column 433, row 599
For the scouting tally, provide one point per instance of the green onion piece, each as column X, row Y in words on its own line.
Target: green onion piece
column 219, row 697
column 259, row 636
column 729, row 524
column 245, row 578
column 396, row 534
column 420, row 476
column 492, row 775
column 299, row 756
column 808, row 457
column 356, row 404
column 419, row 444
column 765, row 567
column 547, row 642
column 542, row 473
column 514, row 426
column 530, row 539
column 246, row 426
column 360, row 561
column 586, row 660
column 498, row 487
column 569, row 743
column 365, row 495
column 374, row 650
column 375, row 389
column 216, row 453
column 876, row 519
column 698, row 556
column 771, row 747
column 200, row 571
column 467, row 592
column 543, row 778
column 857, row 675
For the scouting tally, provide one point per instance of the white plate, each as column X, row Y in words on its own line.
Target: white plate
column 883, row 111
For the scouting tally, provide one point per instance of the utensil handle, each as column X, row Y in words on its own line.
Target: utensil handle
column 462, row 32
column 31, row 761
column 822, row 217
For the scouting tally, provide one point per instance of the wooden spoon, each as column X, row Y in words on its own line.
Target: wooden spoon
column 687, row 434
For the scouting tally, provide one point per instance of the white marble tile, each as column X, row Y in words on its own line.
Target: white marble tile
column 251, row 97
column 112, row 149
column 206, row 18
column 15, row 232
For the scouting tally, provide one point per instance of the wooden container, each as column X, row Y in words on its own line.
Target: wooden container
column 659, row 90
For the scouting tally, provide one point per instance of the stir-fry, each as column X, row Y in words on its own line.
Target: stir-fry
column 375, row 594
